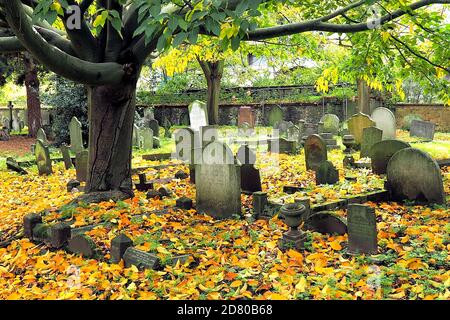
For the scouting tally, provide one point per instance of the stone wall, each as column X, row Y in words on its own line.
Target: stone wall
column 437, row 113
column 293, row 111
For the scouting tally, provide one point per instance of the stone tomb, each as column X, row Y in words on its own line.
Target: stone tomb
column 412, row 174
column 315, row 152
column 362, row 229
column 356, row 125
column 371, row 136
column 218, row 182
column 381, row 152
column 385, row 121
column 422, row 129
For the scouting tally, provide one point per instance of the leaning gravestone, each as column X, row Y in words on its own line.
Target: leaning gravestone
column 198, row 115
column 83, row 245
column 381, row 152
column 275, row 115
column 326, row 173
column 44, row 163
column 81, row 165
column 154, row 125
column 412, row 174
column 141, row 259
column 136, row 136
column 146, row 138
column 76, row 136
column 315, row 152
column 66, row 156
column 362, row 229
column 385, row 120
column 326, row 222
column 250, row 177
column 330, row 123
column 119, row 246
column 41, row 135
column 356, row 125
column 371, row 135
column 422, row 129
column 218, row 182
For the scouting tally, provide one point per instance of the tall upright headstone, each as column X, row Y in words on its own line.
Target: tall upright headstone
column 76, row 136
column 250, row 177
column 146, row 138
column 44, row 163
column 198, row 115
column 66, row 156
column 371, row 135
column 81, row 165
column 154, row 125
column 385, row 120
column 208, row 134
column 362, row 229
column 315, row 152
column 218, row 182
column 356, row 125
column 184, row 145
column 136, row 136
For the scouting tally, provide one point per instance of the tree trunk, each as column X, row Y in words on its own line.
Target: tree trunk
column 363, row 97
column 111, row 118
column 213, row 72
column 34, row 117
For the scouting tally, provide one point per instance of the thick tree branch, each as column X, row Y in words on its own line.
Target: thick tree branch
column 56, row 60
column 10, row 45
column 113, row 38
column 85, row 4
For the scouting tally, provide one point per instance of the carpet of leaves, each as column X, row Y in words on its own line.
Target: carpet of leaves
column 234, row 259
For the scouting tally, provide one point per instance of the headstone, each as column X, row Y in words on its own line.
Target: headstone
column 381, row 152
column 294, row 134
column 408, row 119
column 310, row 128
column 154, row 125
column 141, row 259
column 326, row 173
column 329, row 140
column 119, row 245
column 330, row 123
column 29, row 222
column 246, row 114
column 250, row 179
column 283, row 127
column 81, row 165
column 326, row 223
column 184, row 203
column 4, row 135
column 282, row 145
column 83, row 245
column 385, row 120
column 362, row 229
column 356, row 125
column 412, row 174
column 44, row 163
column 198, row 115
column 59, row 234
column 422, row 129
column 76, row 136
column 143, row 185
column 218, row 182
column 146, row 138
column 245, row 155
column 315, row 152
column 41, row 135
column 259, row 203
column 12, row 164
column 136, row 136
column 275, row 115
column 371, row 136
column 209, row 134
column 184, row 145
column 66, row 156
column 72, row 184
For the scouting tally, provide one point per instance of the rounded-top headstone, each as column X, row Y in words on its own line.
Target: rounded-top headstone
column 330, row 123
column 275, row 115
column 385, row 120
column 382, row 151
column 357, row 123
column 315, row 152
column 412, row 174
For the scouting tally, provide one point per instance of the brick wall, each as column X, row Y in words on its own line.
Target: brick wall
column 439, row 114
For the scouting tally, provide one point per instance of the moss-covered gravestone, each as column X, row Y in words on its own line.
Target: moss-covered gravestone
column 82, row 244
column 381, row 152
column 362, row 229
column 275, row 115
column 326, row 173
column 371, row 135
column 41, row 135
column 356, row 125
column 146, row 137
column 44, row 163
column 330, row 123
column 412, row 174
column 315, row 152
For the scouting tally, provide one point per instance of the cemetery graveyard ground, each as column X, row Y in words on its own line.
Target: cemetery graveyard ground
column 354, row 240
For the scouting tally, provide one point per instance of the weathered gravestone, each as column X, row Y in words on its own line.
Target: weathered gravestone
column 66, row 156
column 362, row 229
column 385, row 121
column 81, row 165
column 330, row 123
column 412, row 174
column 275, row 115
column 44, row 163
column 294, row 134
column 141, row 259
column 381, row 152
column 246, row 114
column 282, row 145
column 329, row 140
column 136, row 136
column 218, row 182
column 12, row 164
column 83, row 245
column 76, row 136
column 198, row 115
column 310, row 128
column 208, row 134
column 259, row 203
column 154, row 125
column 422, row 129
column 119, row 245
column 326, row 173
column 250, row 177
column 315, row 152
column 146, row 137
column 371, row 135
column 326, row 222
column 283, row 127
column 356, row 125
column 184, row 145
column 41, row 135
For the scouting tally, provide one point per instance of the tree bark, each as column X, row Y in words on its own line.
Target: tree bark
column 363, row 97
column 111, row 117
column 213, row 72
column 34, row 116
